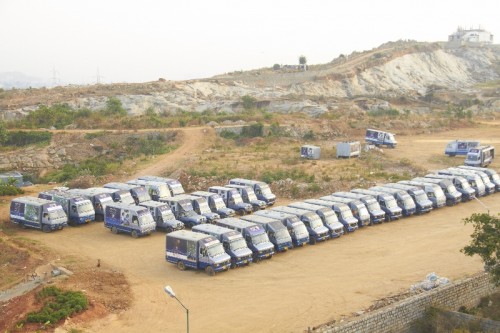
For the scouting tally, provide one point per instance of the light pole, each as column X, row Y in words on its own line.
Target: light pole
column 171, row 293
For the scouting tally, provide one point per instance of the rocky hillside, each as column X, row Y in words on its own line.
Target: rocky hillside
column 389, row 72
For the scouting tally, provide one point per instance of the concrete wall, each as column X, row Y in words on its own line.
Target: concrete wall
column 399, row 316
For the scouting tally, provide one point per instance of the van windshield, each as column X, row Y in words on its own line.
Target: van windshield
column 451, row 189
column 260, row 238
column 485, row 178
column 265, row 190
column 408, row 201
column 300, row 229
column 331, row 217
column 465, row 184
column 215, row 250
column 251, row 195
column 390, row 202
column 142, row 194
column 236, row 197
column 471, row 157
column 127, row 199
column 373, row 205
column 186, row 205
column 363, row 212
column 218, row 203
column 204, row 207
column 176, row 189
column 238, row 244
column 282, row 234
column 420, row 196
column 145, row 219
column 84, row 208
column 315, row 222
column 163, row 191
column 167, row 215
column 56, row 214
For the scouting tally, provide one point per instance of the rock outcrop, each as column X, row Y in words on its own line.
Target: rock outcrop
column 392, row 70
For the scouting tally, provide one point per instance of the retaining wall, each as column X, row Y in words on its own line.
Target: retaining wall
column 399, row 316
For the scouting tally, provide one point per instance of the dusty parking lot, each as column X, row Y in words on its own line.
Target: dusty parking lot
column 294, row 290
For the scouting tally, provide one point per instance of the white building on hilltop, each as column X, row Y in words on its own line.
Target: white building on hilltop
column 469, row 37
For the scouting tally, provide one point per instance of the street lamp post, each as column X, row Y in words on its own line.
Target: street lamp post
column 171, row 293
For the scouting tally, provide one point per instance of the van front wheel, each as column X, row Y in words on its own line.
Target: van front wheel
column 210, row 270
column 134, row 233
column 46, row 228
column 181, row 266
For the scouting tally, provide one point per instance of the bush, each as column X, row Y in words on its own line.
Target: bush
column 94, row 135
column 25, row 138
column 309, row 135
column 295, row 174
column 10, row 190
column 248, row 102
column 58, row 305
column 57, row 116
column 382, row 112
column 229, row 135
column 114, row 108
column 3, row 133
column 93, row 166
column 252, row 131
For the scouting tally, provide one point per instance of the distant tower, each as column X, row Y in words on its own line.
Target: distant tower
column 98, row 77
column 55, row 80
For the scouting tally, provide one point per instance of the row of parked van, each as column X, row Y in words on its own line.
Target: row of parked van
column 139, row 206
column 121, row 205
column 234, row 242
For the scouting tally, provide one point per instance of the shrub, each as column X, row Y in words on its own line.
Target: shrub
column 25, row 138
column 252, row 131
column 58, row 305
column 94, row 135
column 6, row 189
column 93, row 166
column 309, row 135
column 3, row 133
column 383, row 112
column 58, row 116
column 114, row 108
column 269, row 176
column 229, row 135
column 248, row 102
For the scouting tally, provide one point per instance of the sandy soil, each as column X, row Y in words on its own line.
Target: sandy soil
column 301, row 288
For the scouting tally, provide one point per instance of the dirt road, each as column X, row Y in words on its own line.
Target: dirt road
column 194, row 140
column 303, row 287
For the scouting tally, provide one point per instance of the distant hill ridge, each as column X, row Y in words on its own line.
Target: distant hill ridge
column 391, row 70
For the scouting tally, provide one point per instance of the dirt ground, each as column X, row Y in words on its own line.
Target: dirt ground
column 302, row 288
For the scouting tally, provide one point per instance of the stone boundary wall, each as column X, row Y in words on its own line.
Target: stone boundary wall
column 399, row 316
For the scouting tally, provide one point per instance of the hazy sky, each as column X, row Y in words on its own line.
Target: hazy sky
column 137, row 41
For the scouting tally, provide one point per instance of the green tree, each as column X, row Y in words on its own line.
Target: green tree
column 276, row 67
column 302, row 60
column 486, row 242
column 114, row 107
column 57, row 115
column 4, row 135
column 248, row 102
